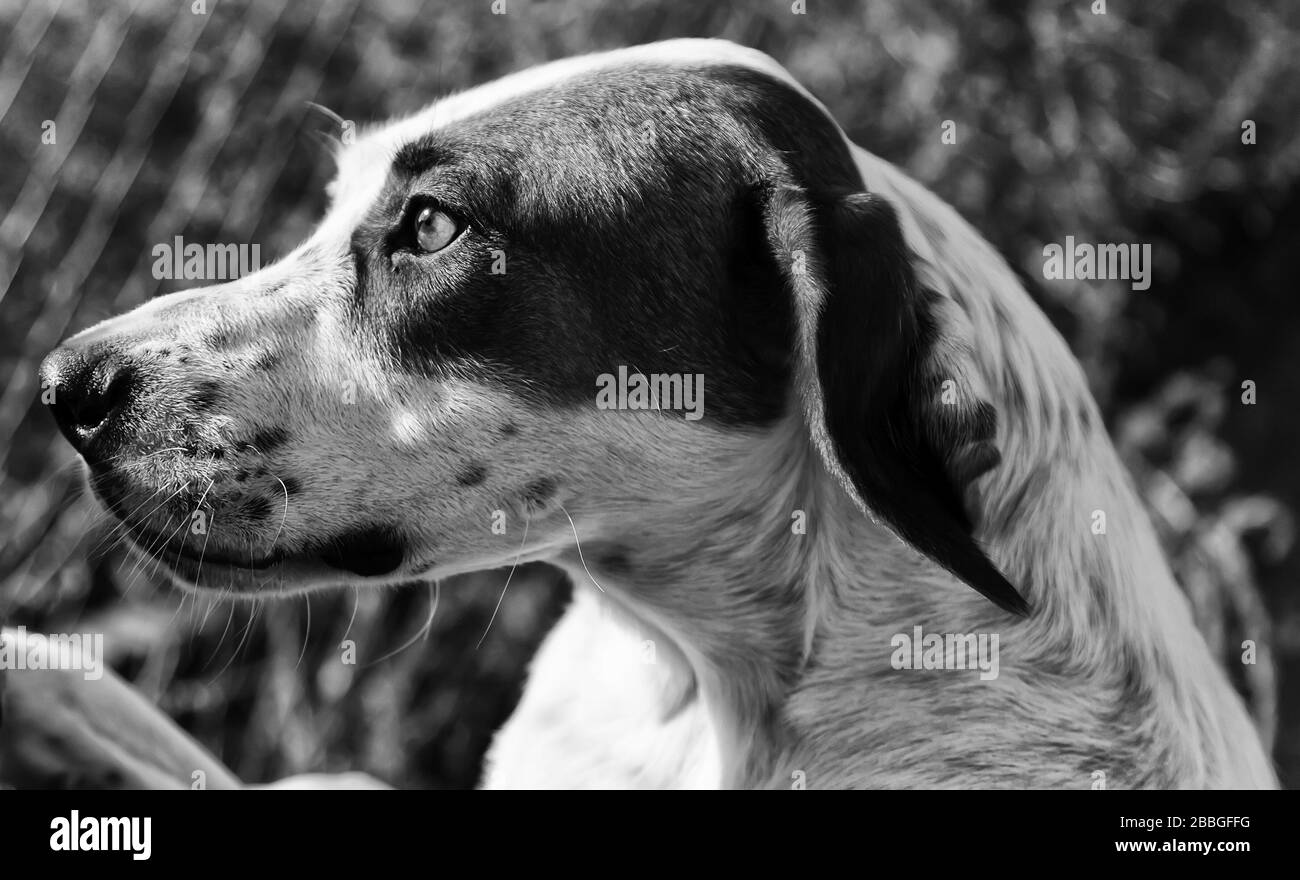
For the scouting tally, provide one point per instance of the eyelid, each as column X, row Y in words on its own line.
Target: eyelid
column 439, row 196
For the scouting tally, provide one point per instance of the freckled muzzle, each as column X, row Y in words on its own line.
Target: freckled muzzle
column 174, row 414
column 124, row 397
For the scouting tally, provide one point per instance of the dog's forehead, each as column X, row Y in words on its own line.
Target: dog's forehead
column 364, row 165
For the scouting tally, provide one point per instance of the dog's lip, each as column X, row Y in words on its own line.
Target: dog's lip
column 279, row 569
column 144, row 539
column 289, row 574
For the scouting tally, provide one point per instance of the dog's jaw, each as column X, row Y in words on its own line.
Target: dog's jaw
column 709, row 612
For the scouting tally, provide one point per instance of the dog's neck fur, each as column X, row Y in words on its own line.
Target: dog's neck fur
column 786, row 637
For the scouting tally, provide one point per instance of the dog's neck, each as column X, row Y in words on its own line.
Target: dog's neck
column 776, row 602
column 756, row 583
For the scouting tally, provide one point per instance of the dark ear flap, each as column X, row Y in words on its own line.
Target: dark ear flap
column 893, row 408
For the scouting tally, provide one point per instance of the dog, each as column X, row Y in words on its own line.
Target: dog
column 894, row 440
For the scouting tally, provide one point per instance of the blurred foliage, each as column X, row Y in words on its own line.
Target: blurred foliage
column 1117, row 127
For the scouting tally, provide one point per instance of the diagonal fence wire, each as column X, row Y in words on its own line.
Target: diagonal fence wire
column 115, row 181
column 329, row 28
column 188, row 180
column 105, row 43
column 21, row 53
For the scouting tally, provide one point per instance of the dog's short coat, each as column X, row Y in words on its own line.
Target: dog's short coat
column 889, row 421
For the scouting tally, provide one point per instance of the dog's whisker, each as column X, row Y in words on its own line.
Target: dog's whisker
column 160, row 552
column 419, row 633
column 212, row 604
column 123, row 524
column 123, row 527
column 252, row 616
column 502, row 597
column 179, row 607
column 578, row 544
column 198, row 572
column 147, row 553
column 329, row 114
column 283, row 516
column 306, row 633
column 221, row 640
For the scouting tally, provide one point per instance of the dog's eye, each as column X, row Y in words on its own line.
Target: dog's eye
column 434, row 229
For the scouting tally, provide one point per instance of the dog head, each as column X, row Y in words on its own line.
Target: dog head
column 509, row 318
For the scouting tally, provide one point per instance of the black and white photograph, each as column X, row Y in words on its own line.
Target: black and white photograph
column 671, row 395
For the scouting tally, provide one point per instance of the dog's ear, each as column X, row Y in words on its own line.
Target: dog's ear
column 893, row 407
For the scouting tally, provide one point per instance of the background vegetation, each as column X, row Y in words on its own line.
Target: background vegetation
column 1117, row 127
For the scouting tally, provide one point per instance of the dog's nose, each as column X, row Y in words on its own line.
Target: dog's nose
column 88, row 387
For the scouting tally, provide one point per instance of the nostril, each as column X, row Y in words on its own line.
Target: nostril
column 88, row 389
column 95, row 408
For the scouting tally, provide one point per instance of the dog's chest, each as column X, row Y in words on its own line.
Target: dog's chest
column 601, row 711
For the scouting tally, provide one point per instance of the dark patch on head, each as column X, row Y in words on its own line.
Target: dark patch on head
column 292, row 485
column 269, row 439
column 623, row 248
column 509, row 429
column 539, row 493
column 368, row 552
column 207, row 395
column 471, row 474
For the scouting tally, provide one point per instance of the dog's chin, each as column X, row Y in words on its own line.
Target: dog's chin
column 360, row 559
column 284, row 578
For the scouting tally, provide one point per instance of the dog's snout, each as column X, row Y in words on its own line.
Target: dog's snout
column 87, row 389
